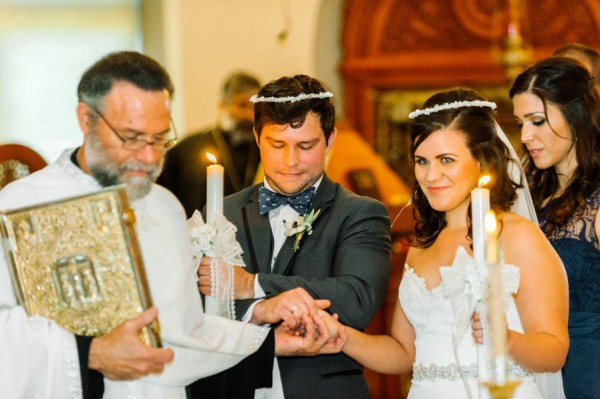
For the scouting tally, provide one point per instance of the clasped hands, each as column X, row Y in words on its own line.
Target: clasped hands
column 306, row 329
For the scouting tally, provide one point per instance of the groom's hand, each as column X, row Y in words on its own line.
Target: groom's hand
column 289, row 307
column 204, row 277
column 244, row 283
column 243, row 280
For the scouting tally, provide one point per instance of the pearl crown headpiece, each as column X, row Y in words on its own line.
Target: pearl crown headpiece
column 452, row 105
column 290, row 99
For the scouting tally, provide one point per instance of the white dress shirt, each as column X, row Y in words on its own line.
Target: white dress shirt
column 276, row 218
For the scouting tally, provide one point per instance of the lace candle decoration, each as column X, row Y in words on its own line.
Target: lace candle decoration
column 217, row 240
column 496, row 317
column 214, row 189
column 480, row 204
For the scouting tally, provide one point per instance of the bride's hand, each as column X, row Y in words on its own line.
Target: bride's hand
column 477, row 328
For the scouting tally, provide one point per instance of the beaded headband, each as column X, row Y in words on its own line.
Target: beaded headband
column 290, row 99
column 452, row 105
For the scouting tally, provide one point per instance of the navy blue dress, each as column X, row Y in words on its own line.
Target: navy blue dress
column 577, row 244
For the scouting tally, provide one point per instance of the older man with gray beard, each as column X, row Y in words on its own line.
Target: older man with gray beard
column 124, row 113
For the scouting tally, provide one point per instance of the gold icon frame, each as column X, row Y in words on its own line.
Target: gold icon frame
column 77, row 261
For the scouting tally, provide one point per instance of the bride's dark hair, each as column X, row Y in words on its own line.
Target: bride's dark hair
column 478, row 126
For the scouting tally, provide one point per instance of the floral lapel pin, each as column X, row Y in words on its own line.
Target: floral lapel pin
column 299, row 225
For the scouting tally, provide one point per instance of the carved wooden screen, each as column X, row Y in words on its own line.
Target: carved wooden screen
column 431, row 44
column 17, row 161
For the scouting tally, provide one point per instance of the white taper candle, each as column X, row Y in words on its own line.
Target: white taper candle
column 480, row 204
column 214, row 189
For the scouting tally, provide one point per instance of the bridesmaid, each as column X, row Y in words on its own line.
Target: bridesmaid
column 558, row 108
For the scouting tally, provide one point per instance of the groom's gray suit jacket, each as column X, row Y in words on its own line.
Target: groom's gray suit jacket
column 346, row 259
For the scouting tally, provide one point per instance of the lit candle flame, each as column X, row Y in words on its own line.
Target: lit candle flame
column 483, row 180
column 491, row 228
column 211, row 157
column 491, row 225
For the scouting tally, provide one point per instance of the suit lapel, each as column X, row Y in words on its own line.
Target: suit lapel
column 258, row 229
column 323, row 199
column 324, row 196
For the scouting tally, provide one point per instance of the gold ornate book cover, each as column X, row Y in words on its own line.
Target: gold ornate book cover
column 77, row 261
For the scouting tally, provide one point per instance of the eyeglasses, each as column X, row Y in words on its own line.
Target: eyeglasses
column 137, row 142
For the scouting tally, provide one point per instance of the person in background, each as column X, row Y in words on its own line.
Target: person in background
column 584, row 54
column 557, row 105
column 231, row 141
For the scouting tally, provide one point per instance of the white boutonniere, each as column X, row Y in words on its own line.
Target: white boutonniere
column 300, row 225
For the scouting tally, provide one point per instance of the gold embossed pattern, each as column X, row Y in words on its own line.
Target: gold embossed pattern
column 77, row 262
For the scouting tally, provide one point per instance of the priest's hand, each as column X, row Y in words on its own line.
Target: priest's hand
column 243, row 280
column 121, row 355
column 289, row 307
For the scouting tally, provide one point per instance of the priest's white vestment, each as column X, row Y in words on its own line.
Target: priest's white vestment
column 40, row 360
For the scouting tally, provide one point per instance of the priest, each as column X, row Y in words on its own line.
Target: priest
column 124, row 113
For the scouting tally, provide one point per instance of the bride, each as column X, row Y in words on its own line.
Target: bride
column 454, row 141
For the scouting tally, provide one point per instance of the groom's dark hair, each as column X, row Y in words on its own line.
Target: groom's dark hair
column 294, row 113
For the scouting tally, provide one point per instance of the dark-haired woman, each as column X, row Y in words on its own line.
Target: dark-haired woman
column 558, row 108
column 454, row 141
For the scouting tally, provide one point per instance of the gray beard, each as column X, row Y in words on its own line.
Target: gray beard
column 109, row 173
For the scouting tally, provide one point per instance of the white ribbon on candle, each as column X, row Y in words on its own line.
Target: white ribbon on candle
column 465, row 284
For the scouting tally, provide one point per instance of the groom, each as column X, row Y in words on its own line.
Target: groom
column 301, row 229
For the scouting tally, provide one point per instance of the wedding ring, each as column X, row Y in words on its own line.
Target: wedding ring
column 294, row 308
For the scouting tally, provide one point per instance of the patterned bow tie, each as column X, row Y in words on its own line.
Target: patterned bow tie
column 269, row 200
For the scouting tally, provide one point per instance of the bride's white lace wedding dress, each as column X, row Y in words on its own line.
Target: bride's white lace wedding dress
column 438, row 372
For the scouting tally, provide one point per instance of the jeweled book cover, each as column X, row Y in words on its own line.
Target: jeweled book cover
column 77, row 261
